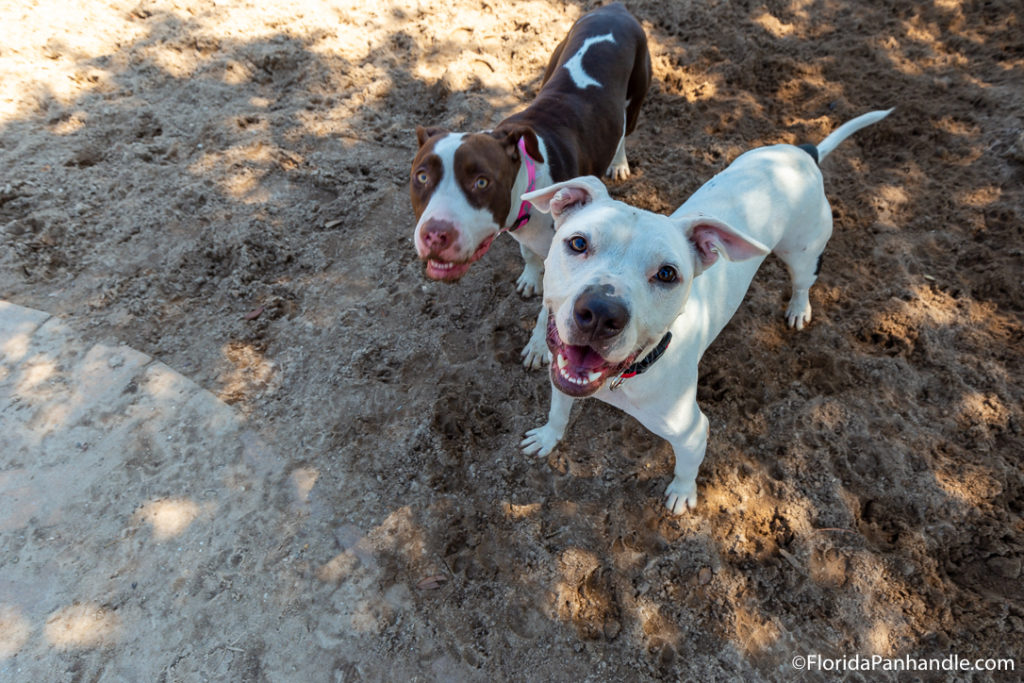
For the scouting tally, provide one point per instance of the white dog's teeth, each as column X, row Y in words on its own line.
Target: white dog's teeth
column 563, row 363
column 569, row 378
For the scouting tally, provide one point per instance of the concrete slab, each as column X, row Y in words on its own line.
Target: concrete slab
column 120, row 481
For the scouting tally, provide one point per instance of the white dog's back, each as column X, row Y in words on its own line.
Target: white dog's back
column 760, row 191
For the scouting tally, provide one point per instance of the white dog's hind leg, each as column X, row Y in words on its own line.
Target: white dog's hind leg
column 798, row 312
column 803, row 261
column 530, row 282
column 542, row 440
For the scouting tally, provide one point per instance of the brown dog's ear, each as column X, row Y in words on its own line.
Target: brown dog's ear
column 424, row 134
column 509, row 138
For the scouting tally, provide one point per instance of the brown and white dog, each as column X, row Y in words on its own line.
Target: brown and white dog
column 465, row 187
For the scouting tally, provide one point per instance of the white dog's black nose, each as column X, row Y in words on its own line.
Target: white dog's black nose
column 598, row 315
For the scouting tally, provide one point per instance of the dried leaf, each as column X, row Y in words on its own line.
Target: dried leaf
column 432, row 583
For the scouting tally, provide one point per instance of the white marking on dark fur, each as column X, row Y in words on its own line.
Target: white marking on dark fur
column 448, row 202
column 575, row 63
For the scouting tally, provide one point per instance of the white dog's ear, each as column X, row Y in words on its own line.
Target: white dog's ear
column 711, row 237
column 561, row 199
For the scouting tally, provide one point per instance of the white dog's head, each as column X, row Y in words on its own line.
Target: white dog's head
column 616, row 277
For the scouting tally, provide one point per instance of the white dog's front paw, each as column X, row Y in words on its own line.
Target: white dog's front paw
column 619, row 170
column 529, row 283
column 535, row 354
column 534, row 359
column 540, row 441
column 681, row 496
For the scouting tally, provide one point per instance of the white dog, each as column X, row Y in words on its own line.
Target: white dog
column 621, row 283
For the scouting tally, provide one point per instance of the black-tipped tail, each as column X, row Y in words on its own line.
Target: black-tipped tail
column 810, row 149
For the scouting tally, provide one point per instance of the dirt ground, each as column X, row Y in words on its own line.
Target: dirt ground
column 223, row 186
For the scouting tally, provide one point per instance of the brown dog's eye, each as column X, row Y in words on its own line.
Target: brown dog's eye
column 577, row 243
column 667, row 274
column 482, row 183
column 422, row 177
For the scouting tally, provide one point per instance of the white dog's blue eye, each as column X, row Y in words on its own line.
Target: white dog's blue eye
column 667, row 274
column 577, row 243
column 422, row 177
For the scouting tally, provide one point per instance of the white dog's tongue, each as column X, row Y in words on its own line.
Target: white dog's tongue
column 583, row 358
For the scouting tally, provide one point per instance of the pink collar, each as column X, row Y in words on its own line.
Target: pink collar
column 531, row 185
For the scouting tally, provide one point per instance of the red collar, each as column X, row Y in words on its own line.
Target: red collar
column 641, row 366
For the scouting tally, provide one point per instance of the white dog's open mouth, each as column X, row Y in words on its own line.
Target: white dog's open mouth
column 578, row 370
column 450, row 271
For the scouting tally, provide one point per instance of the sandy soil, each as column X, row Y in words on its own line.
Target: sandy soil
column 222, row 186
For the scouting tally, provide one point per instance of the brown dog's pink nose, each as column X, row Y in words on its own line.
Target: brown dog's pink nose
column 438, row 235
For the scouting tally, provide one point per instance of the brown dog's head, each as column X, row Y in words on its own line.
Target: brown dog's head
column 461, row 190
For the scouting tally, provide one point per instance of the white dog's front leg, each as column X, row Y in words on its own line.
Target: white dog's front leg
column 542, row 440
column 536, row 354
column 689, row 448
column 530, row 282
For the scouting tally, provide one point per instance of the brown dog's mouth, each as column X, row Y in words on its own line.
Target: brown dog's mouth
column 450, row 271
column 578, row 370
